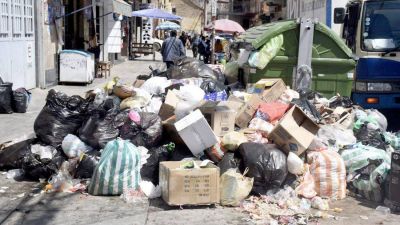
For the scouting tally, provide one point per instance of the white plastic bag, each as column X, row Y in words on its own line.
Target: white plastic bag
column 379, row 117
column 295, row 164
column 234, row 187
column 73, row 147
column 156, row 85
column 44, row 152
column 190, row 96
column 150, row 190
column 331, row 134
column 154, row 105
column 243, row 57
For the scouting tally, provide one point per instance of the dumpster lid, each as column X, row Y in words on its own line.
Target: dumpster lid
column 258, row 36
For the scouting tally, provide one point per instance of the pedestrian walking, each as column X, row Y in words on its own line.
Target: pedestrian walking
column 195, row 45
column 172, row 48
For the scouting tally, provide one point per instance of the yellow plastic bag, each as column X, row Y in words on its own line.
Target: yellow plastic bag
column 234, row 187
column 232, row 140
column 267, row 53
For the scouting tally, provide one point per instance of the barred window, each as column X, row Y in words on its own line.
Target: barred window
column 4, row 18
column 18, row 22
column 29, row 26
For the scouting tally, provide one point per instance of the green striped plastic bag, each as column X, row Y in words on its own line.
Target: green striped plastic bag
column 118, row 169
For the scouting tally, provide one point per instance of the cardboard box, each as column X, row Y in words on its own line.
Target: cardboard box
column 220, row 116
column 169, row 128
column 189, row 186
column 270, row 89
column 167, row 109
column 196, row 132
column 294, row 132
column 247, row 112
column 138, row 83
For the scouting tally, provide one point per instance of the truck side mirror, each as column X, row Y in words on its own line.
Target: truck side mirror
column 339, row 15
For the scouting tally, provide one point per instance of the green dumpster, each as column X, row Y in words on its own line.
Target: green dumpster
column 332, row 62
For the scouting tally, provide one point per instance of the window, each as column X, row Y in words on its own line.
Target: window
column 17, row 18
column 4, row 19
column 29, row 18
column 381, row 25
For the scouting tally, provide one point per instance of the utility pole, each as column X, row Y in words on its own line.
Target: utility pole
column 213, row 18
column 205, row 13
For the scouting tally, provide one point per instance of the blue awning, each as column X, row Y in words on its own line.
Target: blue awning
column 156, row 13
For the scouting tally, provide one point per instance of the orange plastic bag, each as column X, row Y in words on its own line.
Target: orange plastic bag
column 329, row 172
column 272, row 111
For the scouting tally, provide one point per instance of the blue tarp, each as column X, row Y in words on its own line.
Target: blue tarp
column 155, row 13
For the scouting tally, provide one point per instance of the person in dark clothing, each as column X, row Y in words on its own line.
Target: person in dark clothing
column 171, row 49
column 195, row 45
column 207, row 53
column 183, row 38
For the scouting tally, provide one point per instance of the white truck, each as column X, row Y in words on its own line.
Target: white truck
column 323, row 10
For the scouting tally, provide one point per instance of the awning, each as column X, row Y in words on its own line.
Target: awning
column 122, row 8
column 156, row 13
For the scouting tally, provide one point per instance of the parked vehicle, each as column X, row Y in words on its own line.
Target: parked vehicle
column 371, row 28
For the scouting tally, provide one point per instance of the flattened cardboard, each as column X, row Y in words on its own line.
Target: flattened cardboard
column 189, row 186
column 294, row 132
column 168, row 107
column 223, row 119
column 196, row 132
column 273, row 89
column 247, row 111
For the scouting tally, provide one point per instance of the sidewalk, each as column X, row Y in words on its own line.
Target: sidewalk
column 15, row 125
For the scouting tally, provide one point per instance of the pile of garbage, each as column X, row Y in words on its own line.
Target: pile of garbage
column 13, row 101
column 290, row 150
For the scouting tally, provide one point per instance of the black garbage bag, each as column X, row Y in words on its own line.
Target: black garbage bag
column 6, row 97
column 21, row 98
column 370, row 137
column 101, row 126
column 304, row 103
column 228, row 162
column 267, row 165
column 186, row 67
column 150, row 170
column 212, row 86
column 86, row 165
column 62, row 115
column 36, row 168
column 147, row 132
column 340, row 101
column 12, row 154
column 181, row 152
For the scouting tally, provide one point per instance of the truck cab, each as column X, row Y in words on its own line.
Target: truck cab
column 371, row 28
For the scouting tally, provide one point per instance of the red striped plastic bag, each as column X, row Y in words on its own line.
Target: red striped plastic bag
column 329, row 172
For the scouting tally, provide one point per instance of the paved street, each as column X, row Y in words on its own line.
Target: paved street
column 74, row 208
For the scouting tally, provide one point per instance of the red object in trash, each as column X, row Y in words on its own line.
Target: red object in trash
column 272, row 111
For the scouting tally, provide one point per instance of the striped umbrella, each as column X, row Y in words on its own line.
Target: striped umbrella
column 168, row 25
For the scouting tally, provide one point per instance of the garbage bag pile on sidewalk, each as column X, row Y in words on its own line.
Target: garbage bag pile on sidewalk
column 13, row 101
column 292, row 150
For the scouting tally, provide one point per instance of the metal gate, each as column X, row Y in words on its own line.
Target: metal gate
column 17, row 43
